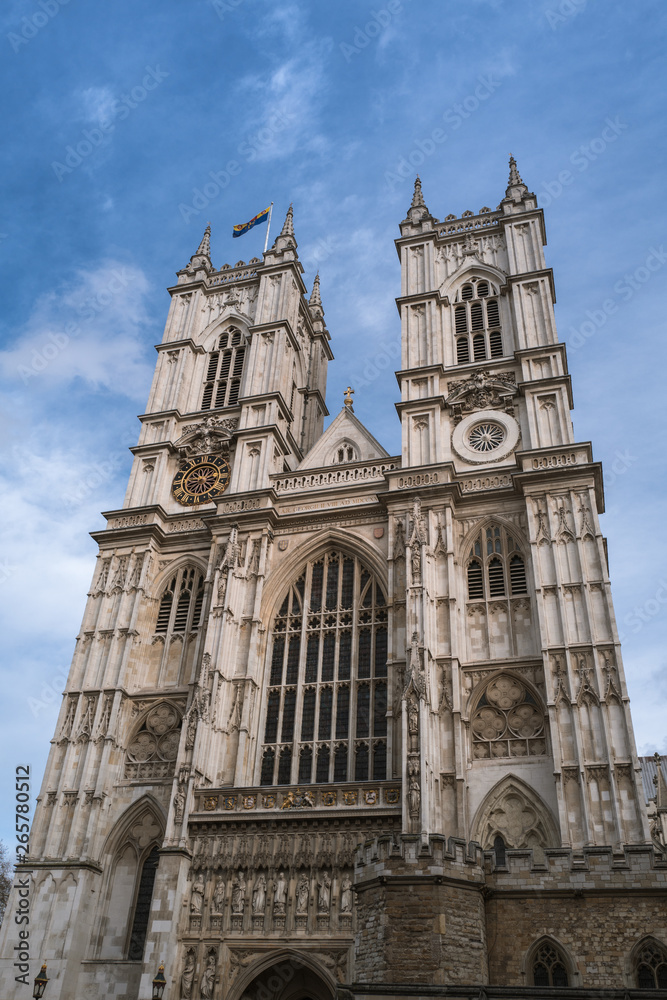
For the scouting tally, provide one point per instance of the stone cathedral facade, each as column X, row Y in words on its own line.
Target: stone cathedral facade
column 345, row 723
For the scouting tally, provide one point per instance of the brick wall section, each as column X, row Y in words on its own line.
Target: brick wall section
column 428, row 915
column 420, row 918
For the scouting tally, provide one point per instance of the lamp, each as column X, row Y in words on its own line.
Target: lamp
column 159, row 983
column 40, row 983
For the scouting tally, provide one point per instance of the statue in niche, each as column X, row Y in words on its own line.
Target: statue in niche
column 179, row 804
column 413, row 724
column 324, row 894
column 188, row 975
column 302, row 893
column 280, row 894
column 219, row 895
column 208, row 978
column 238, row 893
column 197, row 895
column 259, row 894
column 414, row 793
column 346, row 895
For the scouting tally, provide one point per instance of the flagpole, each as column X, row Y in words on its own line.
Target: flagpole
column 268, row 226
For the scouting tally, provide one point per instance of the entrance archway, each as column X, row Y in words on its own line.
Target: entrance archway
column 290, row 976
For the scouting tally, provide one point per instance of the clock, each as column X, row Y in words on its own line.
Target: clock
column 201, row 480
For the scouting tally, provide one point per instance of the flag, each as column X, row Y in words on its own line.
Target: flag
column 262, row 217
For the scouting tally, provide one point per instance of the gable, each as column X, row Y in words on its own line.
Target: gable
column 346, row 432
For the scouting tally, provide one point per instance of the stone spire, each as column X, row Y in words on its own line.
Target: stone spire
column 418, row 197
column 418, row 214
column 288, row 225
column 286, row 240
column 516, row 189
column 205, row 245
column 315, row 304
column 202, row 258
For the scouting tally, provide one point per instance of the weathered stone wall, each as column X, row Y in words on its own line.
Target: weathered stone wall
column 420, row 915
column 596, row 909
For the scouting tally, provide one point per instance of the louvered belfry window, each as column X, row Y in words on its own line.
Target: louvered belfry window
column 495, row 566
column 181, row 602
column 224, row 371
column 477, row 323
column 327, row 678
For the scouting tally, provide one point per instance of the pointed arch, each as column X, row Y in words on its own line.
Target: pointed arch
column 474, row 268
column 152, row 749
column 515, row 812
column 647, row 964
column 163, row 578
column 210, row 337
column 135, row 837
column 325, row 677
column 300, row 974
column 549, row 963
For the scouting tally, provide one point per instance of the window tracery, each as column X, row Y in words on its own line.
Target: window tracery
column 153, row 750
column 327, row 697
column 477, row 322
column 344, row 452
column 496, row 566
column 651, row 966
column 549, row 966
column 507, row 722
column 224, row 371
column 181, row 602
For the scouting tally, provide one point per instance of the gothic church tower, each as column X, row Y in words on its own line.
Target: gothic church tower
column 336, row 719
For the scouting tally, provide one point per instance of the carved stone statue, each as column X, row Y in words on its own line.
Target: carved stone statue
column 259, row 894
column 346, row 895
column 324, row 894
column 197, row 895
column 414, row 792
column 219, row 895
column 280, row 894
column 188, row 975
column 302, row 893
column 238, row 893
column 208, row 978
column 413, row 724
column 179, row 804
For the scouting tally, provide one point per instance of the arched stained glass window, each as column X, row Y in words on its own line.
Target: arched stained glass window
column 326, row 704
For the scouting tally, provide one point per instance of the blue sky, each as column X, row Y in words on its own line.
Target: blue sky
column 332, row 107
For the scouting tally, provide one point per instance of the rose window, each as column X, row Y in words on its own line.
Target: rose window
column 154, row 748
column 507, row 722
column 486, row 437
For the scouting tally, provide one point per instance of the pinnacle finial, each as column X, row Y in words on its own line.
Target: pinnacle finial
column 288, row 225
column 315, row 298
column 418, row 197
column 515, row 176
column 205, row 245
column 349, row 392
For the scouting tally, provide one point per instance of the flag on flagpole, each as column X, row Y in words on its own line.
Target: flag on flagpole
column 258, row 219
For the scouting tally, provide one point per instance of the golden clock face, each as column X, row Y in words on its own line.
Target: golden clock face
column 201, row 480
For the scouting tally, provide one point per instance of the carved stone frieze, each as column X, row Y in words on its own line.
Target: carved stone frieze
column 481, row 391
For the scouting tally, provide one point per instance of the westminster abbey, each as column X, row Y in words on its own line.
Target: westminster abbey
column 341, row 724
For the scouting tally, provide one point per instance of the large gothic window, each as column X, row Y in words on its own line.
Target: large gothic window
column 495, row 566
column 224, row 371
column 327, row 694
column 651, row 966
column 142, row 906
column 477, row 322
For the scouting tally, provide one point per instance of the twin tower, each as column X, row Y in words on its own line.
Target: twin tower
column 340, row 722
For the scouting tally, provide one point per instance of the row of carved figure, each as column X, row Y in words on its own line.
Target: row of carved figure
column 259, row 891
